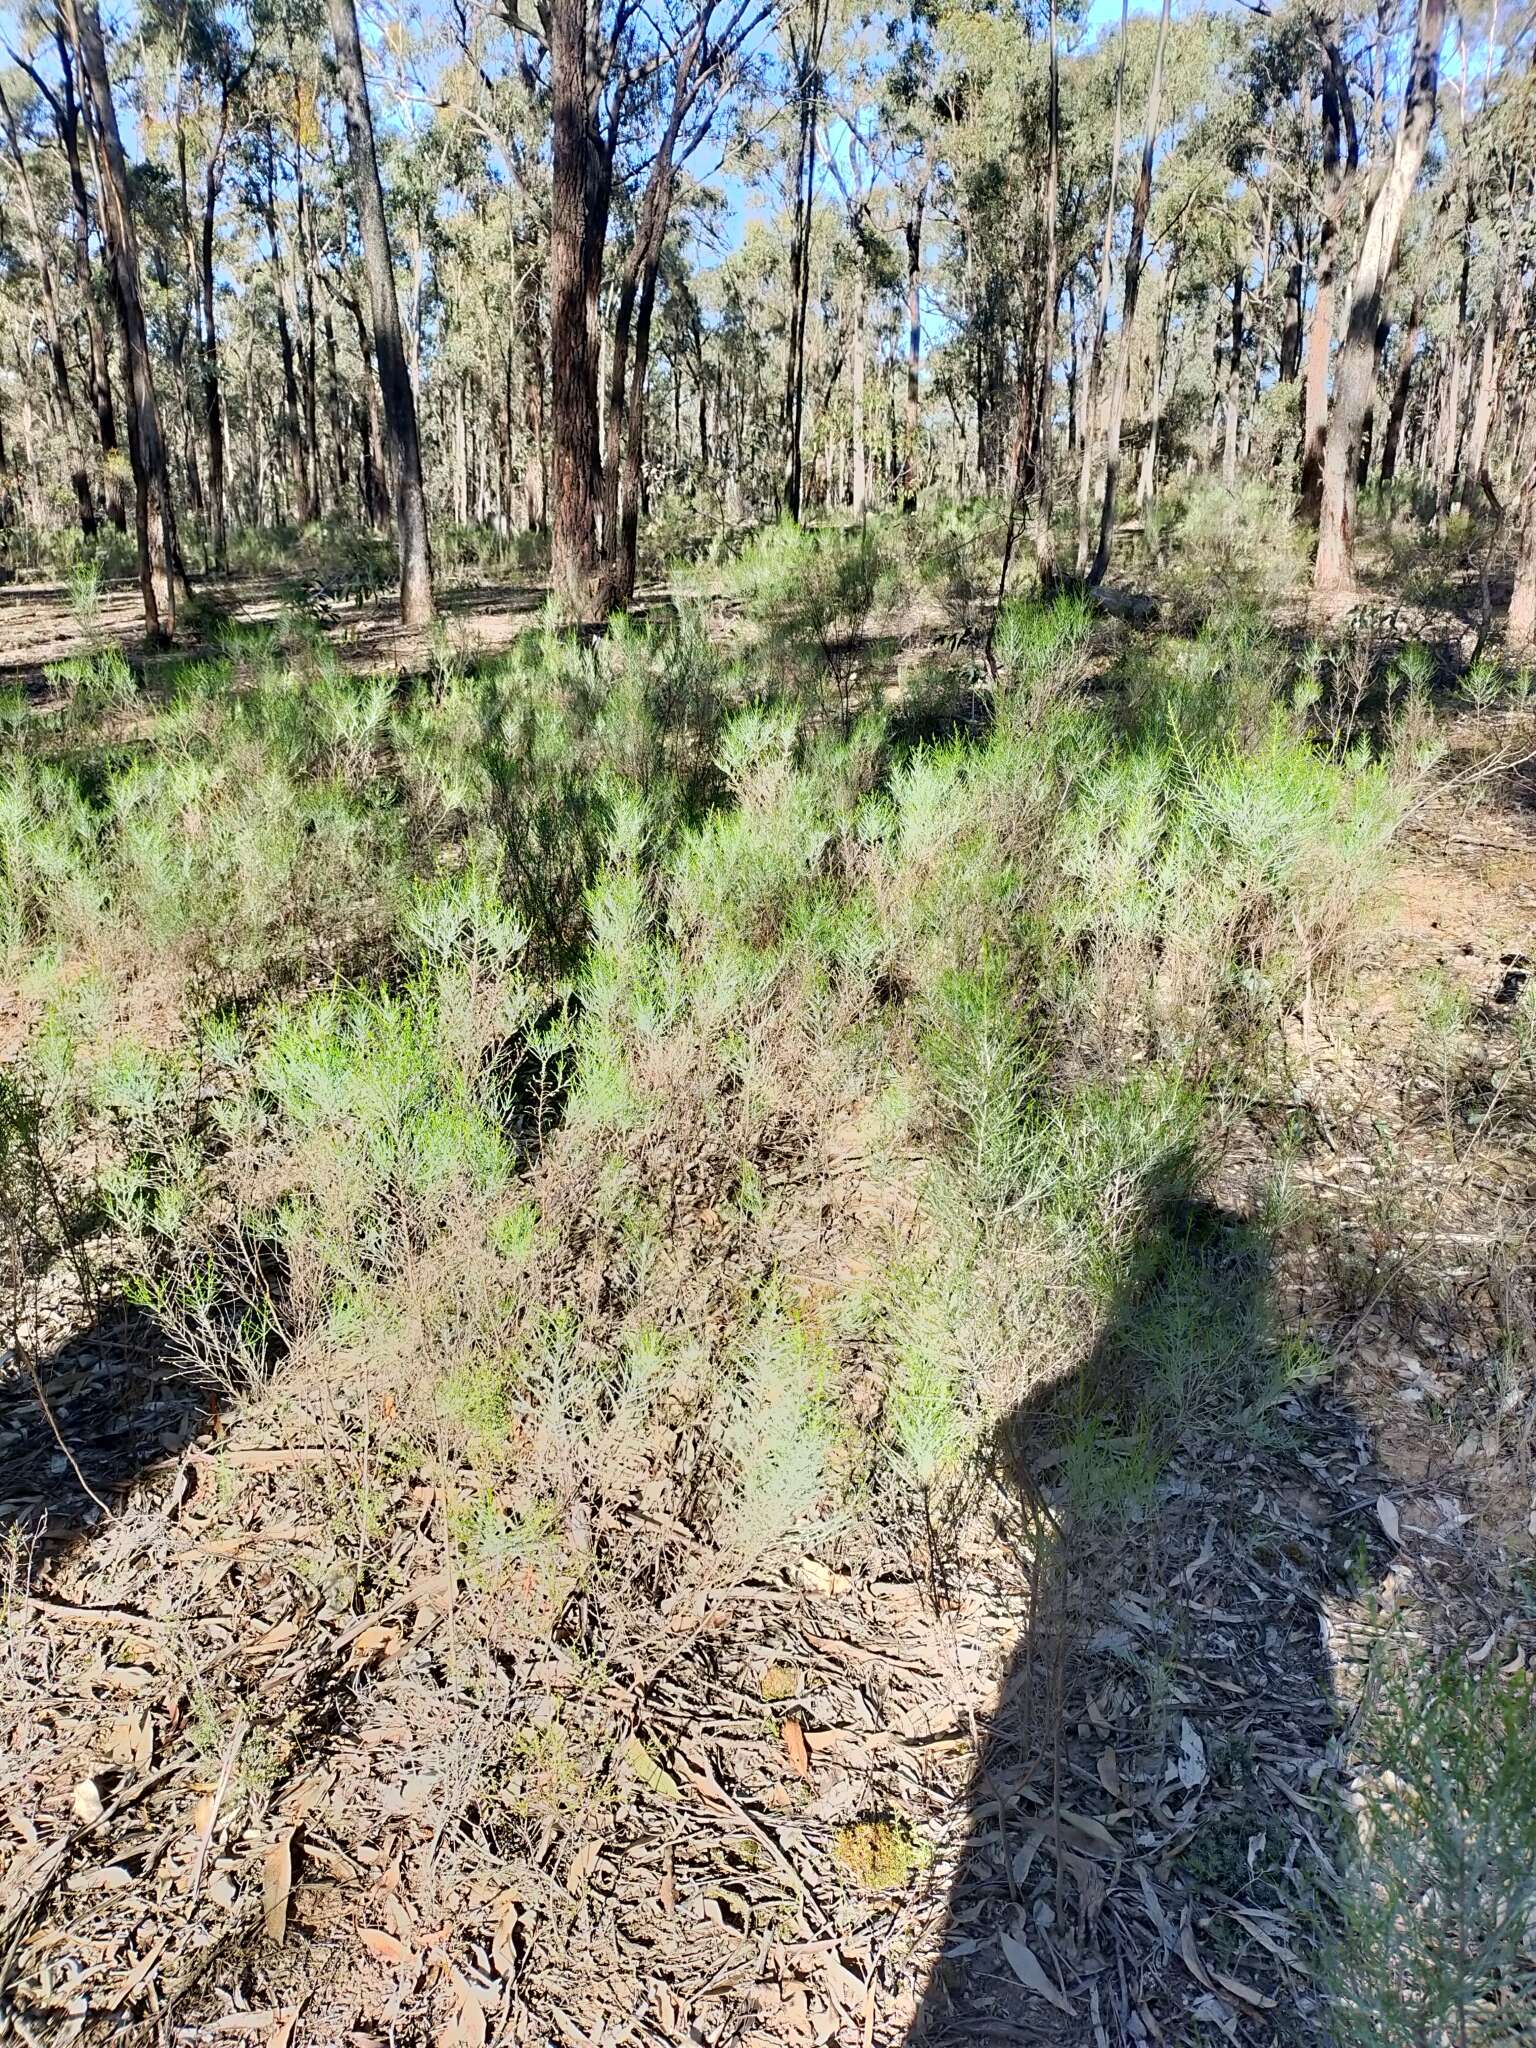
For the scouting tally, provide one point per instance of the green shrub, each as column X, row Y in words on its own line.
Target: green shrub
column 1040, row 648
column 1439, row 1886
column 983, row 1070
column 780, row 1437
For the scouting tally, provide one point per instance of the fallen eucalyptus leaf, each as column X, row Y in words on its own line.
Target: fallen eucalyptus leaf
column 1031, row 1972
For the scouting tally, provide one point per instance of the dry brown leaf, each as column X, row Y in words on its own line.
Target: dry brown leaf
column 378, row 1642
column 845, row 1990
column 131, row 1741
column 383, row 1947
column 1031, row 1972
column 1211, row 2012
column 395, row 1910
column 129, row 1678
column 277, row 1886
column 274, row 1639
column 466, row 2028
column 1109, row 1773
column 793, row 1734
column 817, row 1577
column 580, row 1868
column 504, row 1915
column 1154, row 1907
column 1244, row 1993
column 133, row 1984
column 1386, row 1514
column 1024, row 1859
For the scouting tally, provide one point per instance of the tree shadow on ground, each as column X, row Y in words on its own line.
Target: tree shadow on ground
column 1150, row 1851
column 96, row 1412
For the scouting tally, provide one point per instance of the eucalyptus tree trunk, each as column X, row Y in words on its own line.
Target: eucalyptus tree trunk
column 858, row 343
column 374, row 490
column 807, row 62
column 154, row 514
column 913, row 232
column 1368, row 424
column 1146, row 483
column 337, row 410
column 399, row 403
column 1233, row 383
column 1484, row 405
column 1391, row 439
column 1502, row 331
column 309, row 364
column 1355, row 381
column 213, row 402
column 1290, row 331
column 807, row 41
column 573, row 367
column 1045, row 457
column 526, row 352
column 633, row 478
column 1140, row 208
column 79, row 476
column 1085, row 382
column 199, row 255
column 67, row 112
column 1338, row 116
column 286, row 300
column 622, row 469
column 1520, row 631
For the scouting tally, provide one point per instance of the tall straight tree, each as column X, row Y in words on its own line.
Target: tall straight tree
column 580, row 182
column 1141, row 206
column 1520, row 631
column 1045, row 550
column 806, row 31
column 411, row 540
column 66, row 112
column 154, row 515
column 79, row 476
column 1355, row 382
column 1338, row 174
column 1094, row 339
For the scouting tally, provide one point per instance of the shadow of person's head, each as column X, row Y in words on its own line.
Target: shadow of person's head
column 1145, row 1835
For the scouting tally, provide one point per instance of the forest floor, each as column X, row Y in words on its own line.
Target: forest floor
column 42, row 623
column 248, row 1800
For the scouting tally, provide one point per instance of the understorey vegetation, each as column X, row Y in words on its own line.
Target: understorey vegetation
column 657, row 1140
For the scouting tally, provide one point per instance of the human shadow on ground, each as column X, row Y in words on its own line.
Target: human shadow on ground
column 91, row 1394
column 1150, row 1849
